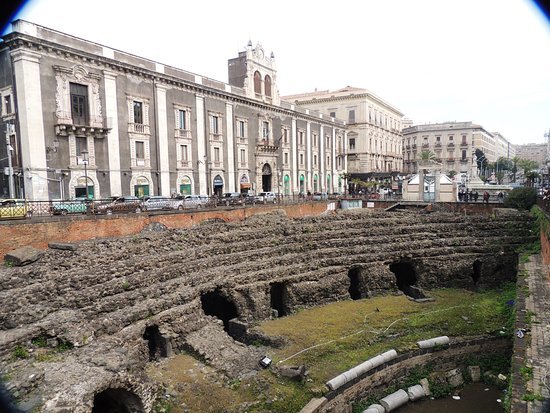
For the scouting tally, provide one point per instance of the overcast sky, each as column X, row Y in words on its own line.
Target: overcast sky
column 486, row 61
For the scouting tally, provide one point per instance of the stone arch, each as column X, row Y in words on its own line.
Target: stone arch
column 278, row 294
column 266, row 178
column 217, row 304
column 159, row 346
column 77, row 185
column 354, row 290
column 257, row 83
column 141, row 185
column 476, row 275
column 117, row 400
column 406, row 278
column 185, row 184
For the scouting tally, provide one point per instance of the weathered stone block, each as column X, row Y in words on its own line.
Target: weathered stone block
column 23, row 256
column 475, row 373
column 454, row 378
column 62, row 246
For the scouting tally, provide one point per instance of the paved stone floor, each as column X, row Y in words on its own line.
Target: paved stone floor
column 538, row 310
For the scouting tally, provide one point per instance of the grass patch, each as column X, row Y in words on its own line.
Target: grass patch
column 20, row 352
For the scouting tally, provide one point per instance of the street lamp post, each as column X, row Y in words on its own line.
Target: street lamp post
column 85, row 159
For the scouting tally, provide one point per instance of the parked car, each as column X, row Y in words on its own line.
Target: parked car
column 249, row 199
column 74, row 206
column 266, row 197
column 155, row 203
column 14, row 208
column 121, row 204
column 232, row 198
column 195, row 201
column 320, row 196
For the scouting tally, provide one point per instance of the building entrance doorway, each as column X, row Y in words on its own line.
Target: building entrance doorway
column 266, row 178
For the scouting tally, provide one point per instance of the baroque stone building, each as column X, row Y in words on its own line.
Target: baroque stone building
column 79, row 115
column 453, row 143
column 374, row 127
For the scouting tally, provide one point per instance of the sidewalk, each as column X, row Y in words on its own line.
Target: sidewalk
column 537, row 303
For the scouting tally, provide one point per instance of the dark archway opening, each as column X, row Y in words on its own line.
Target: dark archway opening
column 158, row 345
column 354, row 283
column 278, row 296
column 266, row 178
column 214, row 303
column 405, row 276
column 117, row 401
column 477, row 271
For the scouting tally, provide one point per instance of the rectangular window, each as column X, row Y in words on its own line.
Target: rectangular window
column 314, row 139
column 352, row 143
column 81, row 145
column 352, row 116
column 328, row 142
column 140, row 150
column 328, row 162
column 7, row 104
column 79, row 103
column 464, row 154
column 138, row 112
column 285, row 136
column 450, row 138
column 286, row 158
column 216, row 154
column 243, row 156
column 314, row 160
column 214, row 124
column 184, row 153
column 240, row 128
column 265, row 130
column 182, row 119
column 301, row 159
column 332, row 114
column 301, row 138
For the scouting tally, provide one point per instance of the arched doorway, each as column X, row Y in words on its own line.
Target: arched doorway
column 329, row 188
column 117, row 401
column 315, row 183
column 405, row 276
column 80, row 187
column 266, row 178
column 477, row 271
column 218, row 186
column 354, row 289
column 302, row 185
column 278, row 298
column 141, row 187
column 216, row 304
column 185, row 186
column 245, row 184
column 158, row 345
column 339, row 185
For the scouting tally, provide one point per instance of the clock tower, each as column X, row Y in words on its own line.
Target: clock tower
column 254, row 70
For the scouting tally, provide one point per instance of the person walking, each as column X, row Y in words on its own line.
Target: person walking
column 486, row 197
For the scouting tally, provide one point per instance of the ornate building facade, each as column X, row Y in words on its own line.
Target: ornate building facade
column 374, row 127
column 453, row 143
column 80, row 117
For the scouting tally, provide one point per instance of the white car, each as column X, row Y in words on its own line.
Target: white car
column 195, row 201
column 266, row 197
column 155, row 203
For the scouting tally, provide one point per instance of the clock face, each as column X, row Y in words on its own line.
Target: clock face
column 261, row 53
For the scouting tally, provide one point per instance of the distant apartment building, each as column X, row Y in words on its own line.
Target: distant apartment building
column 503, row 148
column 533, row 151
column 374, row 128
column 453, row 143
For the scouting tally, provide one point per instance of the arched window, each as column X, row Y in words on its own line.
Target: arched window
column 267, row 85
column 257, row 83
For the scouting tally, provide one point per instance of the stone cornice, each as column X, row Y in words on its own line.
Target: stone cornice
column 18, row 41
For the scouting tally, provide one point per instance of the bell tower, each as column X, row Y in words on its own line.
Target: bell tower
column 255, row 72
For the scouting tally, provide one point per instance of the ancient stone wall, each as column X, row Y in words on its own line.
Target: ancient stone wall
column 375, row 382
column 104, row 297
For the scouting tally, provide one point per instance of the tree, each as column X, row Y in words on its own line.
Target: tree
column 500, row 176
column 531, row 176
column 527, row 165
column 514, row 169
column 504, row 164
column 427, row 155
column 521, row 198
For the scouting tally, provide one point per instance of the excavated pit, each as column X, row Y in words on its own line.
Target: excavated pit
column 123, row 303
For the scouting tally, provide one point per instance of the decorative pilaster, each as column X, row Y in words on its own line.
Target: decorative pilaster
column 294, row 176
column 309, row 166
column 201, row 145
column 162, row 123
column 26, row 66
column 230, row 147
column 113, row 143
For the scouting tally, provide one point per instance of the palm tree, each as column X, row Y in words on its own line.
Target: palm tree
column 427, row 155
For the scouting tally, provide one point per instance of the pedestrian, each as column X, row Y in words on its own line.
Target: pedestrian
column 486, row 197
column 466, row 196
column 500, row 196
column 460, row 195
column 476, row 195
